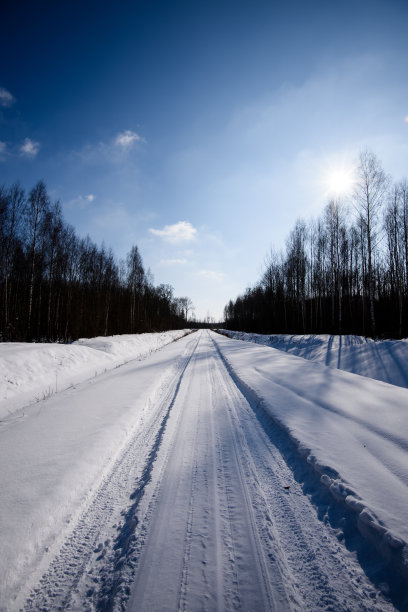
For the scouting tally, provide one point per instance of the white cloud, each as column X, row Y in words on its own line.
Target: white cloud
column 6, row 98
column 127, row 139
column 3, row 149
column 29, row 148
column 212, row 275
column 90, row 197
column 173, row 262
column 182, row 231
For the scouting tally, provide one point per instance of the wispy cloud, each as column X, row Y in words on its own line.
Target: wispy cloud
column 81, row 202
column 6, row 98
column 3, row 150
column 173, row 262
column 29, row 148
column 116, row 150
column 212, row 275
column 182, row 231
column 127, row 139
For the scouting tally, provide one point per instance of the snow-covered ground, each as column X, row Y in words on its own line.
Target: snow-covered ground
column 32, row 372
column 212, row 474
column 385, row 360
column 56, row 452
column 352, row 430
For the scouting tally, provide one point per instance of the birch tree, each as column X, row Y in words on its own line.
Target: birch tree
column 369, row 197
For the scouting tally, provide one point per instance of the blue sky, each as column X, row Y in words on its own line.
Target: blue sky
column 199, row 131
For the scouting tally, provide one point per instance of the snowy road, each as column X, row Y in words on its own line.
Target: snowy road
column 226, row 532
column 196, row 509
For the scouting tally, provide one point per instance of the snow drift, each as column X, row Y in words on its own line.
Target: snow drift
column 385, row 360
column 30, row 372
column 55, row 453
column 351, row 430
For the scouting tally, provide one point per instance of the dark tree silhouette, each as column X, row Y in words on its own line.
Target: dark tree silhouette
column 56, row 286
column 346, row 272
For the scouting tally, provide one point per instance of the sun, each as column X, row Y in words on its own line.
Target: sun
column 339, row 181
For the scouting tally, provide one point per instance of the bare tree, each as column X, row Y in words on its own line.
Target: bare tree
column 296, row 268
column 187, row 306
column 14, row 200
column 136, row 277
column 38, row 204
column 335, row 230
column 369, row 196
column 403, row 205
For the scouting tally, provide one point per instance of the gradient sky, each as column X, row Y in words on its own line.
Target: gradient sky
column 199, row 131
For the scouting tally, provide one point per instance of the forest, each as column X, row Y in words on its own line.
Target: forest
column 56, row 286
column 345, row 272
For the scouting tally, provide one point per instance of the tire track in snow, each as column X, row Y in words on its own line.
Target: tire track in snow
column 322, row 572
column 210, row 525
column 81, row 558
column 274, row 593
column 183, row 589
column 169, row 525
column 202, row 551
column 123, row 543
column 187, row 548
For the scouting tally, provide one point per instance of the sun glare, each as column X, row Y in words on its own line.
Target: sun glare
column 339, row 181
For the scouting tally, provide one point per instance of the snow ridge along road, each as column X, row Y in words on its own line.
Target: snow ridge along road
column 30, row 371
column 56, row 454
column 350, row 430
column 385, row 360
column 194, row 508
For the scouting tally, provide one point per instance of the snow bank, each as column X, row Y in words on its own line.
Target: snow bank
column 385, row 360
column 352, row 430
column 31, row 372
column 56, row 453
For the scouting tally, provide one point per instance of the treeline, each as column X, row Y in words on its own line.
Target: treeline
column 346, row 272
column 57, row 286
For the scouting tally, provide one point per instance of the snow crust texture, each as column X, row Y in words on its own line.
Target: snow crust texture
column 213, row 474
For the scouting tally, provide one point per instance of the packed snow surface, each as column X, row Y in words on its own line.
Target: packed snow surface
column 212, row 474
column 385, row 360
